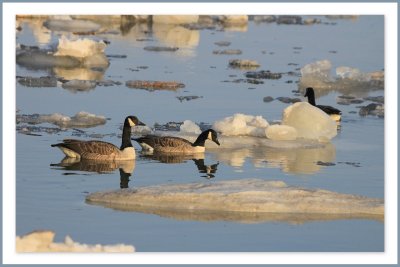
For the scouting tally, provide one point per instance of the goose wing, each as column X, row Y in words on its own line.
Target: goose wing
column 163, row 141
column 89, row 147
column 329, row 109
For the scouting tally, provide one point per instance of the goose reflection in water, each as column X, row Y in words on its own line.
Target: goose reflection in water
column 198, row 159
column 125, row 167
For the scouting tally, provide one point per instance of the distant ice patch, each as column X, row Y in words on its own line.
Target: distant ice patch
column 81, row 119
column 318, row 74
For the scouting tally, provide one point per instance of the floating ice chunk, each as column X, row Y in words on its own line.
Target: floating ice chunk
column 141, row 130
column 243, row 63
column 281, row 132
column 79, row 48
column 45, row 81
column 69, row 25
column 81, row 119
column 318, row 70
column 41, row 59
column 318, row 75
column 246, row 195
column 189, row 127
column 43, row 241
column 241, row 124
column 239, row 142
column 351, row 73
column 309, row 121
column 79, row 85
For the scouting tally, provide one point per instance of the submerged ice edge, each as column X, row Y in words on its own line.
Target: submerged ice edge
column 251, row 200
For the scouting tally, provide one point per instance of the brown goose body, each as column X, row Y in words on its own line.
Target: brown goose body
column 172, row 144
column 94, row 150
column 99, row 150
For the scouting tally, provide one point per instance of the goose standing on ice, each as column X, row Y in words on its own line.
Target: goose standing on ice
column 334, row 113
column 99, row 150
column 171, row 144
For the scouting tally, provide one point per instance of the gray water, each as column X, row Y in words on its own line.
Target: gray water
column 51, row 197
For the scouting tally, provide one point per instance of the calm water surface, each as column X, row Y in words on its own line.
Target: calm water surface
column 52, row 197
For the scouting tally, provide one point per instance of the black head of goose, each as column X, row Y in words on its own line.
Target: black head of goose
column 331, row 111
column 172, row 144
column 99, row 150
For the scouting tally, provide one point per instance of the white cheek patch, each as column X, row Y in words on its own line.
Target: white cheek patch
column 209, row 136
column 131, row 123
column 146, row 147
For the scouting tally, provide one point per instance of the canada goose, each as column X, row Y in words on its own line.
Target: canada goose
column 99, row 150
column 331, row 111
column 171, row 144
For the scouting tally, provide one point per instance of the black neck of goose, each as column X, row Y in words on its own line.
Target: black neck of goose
column 311, row 99
column 126, row 137
column 201, row 140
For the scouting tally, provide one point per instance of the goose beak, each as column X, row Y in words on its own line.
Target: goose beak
column 216, row 141
column 141, row 123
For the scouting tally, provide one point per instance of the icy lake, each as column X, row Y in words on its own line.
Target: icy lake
column 342, row 57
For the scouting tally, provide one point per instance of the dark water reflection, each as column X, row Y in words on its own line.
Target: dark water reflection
column 125, row 167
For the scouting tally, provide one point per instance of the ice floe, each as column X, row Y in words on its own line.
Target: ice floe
column 318, row 75
column 310, row 122
column 71, row 25
column 69, row 54
column 154, row 85
column 281, row 132
column 43, row 241
column 243, row 64
column 45, row 81
column 241, row 124
column 81, row 119
column 249, row 197
column 189, row 127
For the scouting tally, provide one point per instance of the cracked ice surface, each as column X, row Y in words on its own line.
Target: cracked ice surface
column 247, row 197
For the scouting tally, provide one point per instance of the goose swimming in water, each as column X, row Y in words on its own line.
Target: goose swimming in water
column 171, row 144
column 331, row 111
column 99, row 150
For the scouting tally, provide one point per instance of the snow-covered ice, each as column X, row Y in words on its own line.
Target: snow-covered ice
column 189, row 127
column 309, row 121
column 281, row 132
column 251, row 196
column 241, row 124
column 43, row 241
